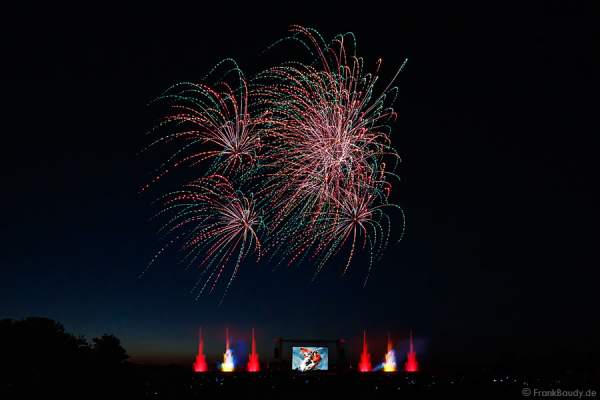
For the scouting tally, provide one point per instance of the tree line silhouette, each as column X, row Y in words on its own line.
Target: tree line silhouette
column 37, row 356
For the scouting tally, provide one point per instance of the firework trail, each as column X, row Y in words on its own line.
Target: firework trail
column 300, row 153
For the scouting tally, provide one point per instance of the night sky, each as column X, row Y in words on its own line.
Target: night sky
column 497, row 129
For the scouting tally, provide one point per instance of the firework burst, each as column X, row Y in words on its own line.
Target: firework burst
column 328, row 136
column 206, row 123
column 215, row 225
column 300, row 153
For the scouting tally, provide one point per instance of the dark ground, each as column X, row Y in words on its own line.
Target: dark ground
column 40, row 359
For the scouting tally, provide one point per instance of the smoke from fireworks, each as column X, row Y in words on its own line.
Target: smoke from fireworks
column 293, row 163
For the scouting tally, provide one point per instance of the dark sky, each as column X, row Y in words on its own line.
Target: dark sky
column 497, row 129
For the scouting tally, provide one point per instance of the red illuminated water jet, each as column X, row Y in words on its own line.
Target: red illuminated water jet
column 253, row 363
column 365, row 358
column 200, row 363
column 411, row 364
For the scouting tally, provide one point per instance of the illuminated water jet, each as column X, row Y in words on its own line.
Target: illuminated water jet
column 228, row 364
column 200, row 362
column 253, row 363
column 364, row 364
column 411, row 364
column 389, row 365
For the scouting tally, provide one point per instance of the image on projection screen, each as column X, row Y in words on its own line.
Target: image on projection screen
column 310, row 359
